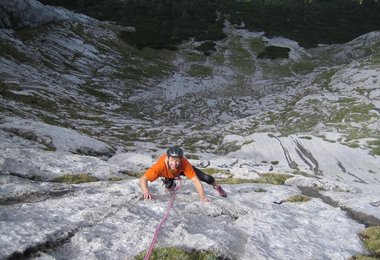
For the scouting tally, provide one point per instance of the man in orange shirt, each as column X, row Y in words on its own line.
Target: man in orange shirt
column 172, row 164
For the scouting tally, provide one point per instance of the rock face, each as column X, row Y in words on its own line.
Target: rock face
column 31, row 13
column 110, row 220
column 70, row 105
column 56, row 138
column 74, row 153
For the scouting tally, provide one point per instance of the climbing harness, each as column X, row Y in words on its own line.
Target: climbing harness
column 170, row 205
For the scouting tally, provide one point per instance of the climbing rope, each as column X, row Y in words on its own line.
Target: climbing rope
column 170, row 205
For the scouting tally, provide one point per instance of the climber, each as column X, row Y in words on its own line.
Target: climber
column 172, row 164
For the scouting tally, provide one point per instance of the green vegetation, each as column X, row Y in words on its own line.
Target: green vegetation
column 228, row 147
column 11, row 92
column 257, row 45
column 165, row 253
column 97, row 92
column 199, row 71
column 374, row 51
column 207, row 48
column 11, row 51
column 236, row 181
column 193, row 57
column 29, row 33
column 275, row 71
column 261, row 190
column 308, row 22
column 371, row 239
column 298, row 198
column 143, row 63
column 324, row 78
column 303, row 67
column 349, row 110
column 271, row 178
column 211, row 171
column 375, row 146
column 75, row 178
column 240, row 58
column 348, row 115
column 291, row 121
column 113, row 179
column 134, row 174
column 164, row 24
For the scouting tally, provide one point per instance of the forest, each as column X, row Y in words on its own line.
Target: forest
column 163, row 24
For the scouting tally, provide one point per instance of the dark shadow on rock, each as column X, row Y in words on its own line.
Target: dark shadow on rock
column 359, row 217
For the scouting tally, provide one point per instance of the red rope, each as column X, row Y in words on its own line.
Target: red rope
column 170, row 205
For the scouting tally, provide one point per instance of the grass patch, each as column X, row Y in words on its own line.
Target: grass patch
column 273, row 178
column 347, row 115
column 275, row 71
column 211, row 171
column 144, row 63
column 375, row 147
column 257, row 45
column 134, row 174
column 207, row 48
column 371, row 239
column 75, row 178
column 241, row 58
column 353, row 145
column 97, row 93
column 165, row 253
column 270, row 178
column 112, row 179
column 303, row 67
column 200, row 71
column 324, row 79
column 291, row 121
column 350, row 111
column 8, row 50
column 234, row 181
column 298, row 198
column 229, row 147
column 194, row 57
column 6, row 91
column 27, row 34
column 261, row 190
column 218, row 58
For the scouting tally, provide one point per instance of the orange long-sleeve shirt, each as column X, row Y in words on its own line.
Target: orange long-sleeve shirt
column 161, row 169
